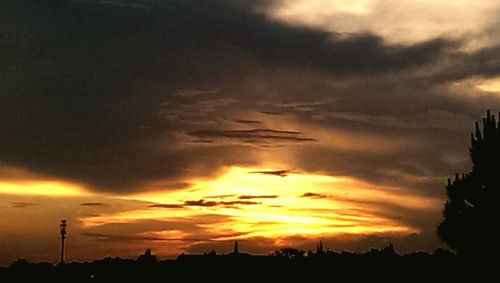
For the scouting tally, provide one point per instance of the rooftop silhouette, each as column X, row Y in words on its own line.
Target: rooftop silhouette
column 284, row 264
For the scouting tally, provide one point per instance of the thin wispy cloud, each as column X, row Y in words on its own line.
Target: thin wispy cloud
column 280, row 173
column 253, row 136
column 258, row 196
column 23, row 204
column 90, row 204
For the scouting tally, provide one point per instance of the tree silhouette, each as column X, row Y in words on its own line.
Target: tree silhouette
column 290, row 253
column 472, row 209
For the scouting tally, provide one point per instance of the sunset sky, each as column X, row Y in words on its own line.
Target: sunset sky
column 184, row 125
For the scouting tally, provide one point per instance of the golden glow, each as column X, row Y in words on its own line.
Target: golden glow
column 240, row 181
column 251, row 204
column 476, row 87
column 41, row 188
column 489, row 85
column 135, row 216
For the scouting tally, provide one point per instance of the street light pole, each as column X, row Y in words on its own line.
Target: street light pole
column 63, row 236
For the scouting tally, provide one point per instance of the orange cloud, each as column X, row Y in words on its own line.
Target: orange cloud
column 41, row 188
column 286, row 206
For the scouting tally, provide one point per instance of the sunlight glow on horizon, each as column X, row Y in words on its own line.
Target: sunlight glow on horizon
column 252, row 204
column 41, row 188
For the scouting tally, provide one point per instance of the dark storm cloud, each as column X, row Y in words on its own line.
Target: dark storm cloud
column 227, row 23
column 484, row 62
column 130, row 4
column 83, row 82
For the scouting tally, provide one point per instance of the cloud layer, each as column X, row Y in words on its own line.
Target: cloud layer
column 103, row 98
column 134, row 96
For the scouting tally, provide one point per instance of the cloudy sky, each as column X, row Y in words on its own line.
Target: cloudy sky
column 184, row 125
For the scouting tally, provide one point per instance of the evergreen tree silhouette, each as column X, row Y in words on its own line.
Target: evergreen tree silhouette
column 471, row 213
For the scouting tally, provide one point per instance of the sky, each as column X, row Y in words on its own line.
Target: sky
column 185, row 125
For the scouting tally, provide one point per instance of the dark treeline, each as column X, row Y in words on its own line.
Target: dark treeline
column 287, row 264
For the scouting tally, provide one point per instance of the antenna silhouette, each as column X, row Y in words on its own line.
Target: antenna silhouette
column 63, row 236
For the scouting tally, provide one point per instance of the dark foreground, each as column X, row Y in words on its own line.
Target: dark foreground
column 288, row 265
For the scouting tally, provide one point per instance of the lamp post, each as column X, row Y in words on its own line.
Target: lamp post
column 63, row 236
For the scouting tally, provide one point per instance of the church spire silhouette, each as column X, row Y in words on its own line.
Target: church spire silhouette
column 319, row 249
column 235, row 248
